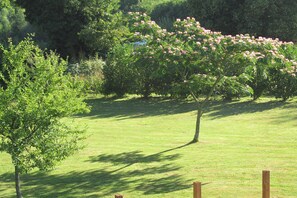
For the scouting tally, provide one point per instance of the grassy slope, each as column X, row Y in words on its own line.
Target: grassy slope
column 139, row 148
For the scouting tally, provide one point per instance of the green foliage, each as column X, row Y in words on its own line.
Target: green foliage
column 77, row 27
column 166, row 13
column 193, row 60
column 4, row 4
column 119, row 73
column 12, row 24
column 129, row 5
column 204, row 62
column 283, row 77
column 268, row 18
column 38, row 94
column 259, row 79
column 103, row 29
column 283, row 84
column 89, row 71
column 233, row 87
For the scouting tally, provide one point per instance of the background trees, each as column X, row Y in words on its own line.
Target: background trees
column 75, row 27
column 13, row 24
column 37, row 95
column 270, row 18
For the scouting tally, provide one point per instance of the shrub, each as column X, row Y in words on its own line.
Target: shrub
column 282, row 77
column 90, row 72
column 283, row 83
column 119, row 74
column 130, row 5
column 166, row 13
column 233, row 88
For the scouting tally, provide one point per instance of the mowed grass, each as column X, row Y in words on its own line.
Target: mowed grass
column 139, row 148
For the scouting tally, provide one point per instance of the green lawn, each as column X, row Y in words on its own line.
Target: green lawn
column 139, row 148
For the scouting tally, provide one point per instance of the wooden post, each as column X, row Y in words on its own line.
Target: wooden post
column 265, row 184
column 197, row 190
column 118, row 196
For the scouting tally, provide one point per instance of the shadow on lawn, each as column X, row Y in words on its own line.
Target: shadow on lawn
column 136, row 107
column 224, row 109
column 131, row 158
column 152, row 174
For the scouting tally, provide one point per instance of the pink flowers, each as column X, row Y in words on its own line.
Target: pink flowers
column 183, row 52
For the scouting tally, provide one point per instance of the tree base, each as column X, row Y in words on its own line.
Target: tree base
column 194, row 141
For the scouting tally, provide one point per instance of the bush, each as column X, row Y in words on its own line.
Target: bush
column 13, row 24
column 165, row 14
column 283, row 84
column 119, row 73
column 90, row 72
column 283, row 77
column 130, row 5
column 233, row 88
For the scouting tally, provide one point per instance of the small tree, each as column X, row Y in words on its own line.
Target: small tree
column 37, row 95
column 190, row 57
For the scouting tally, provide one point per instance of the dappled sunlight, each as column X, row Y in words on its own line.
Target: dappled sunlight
column 128, row 171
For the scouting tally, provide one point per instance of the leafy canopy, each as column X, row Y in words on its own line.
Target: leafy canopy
column 77, row 27
column 36, row 96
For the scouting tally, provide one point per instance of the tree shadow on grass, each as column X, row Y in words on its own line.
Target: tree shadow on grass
column 225, row 109
column 136, row 107
column 139, row 108
column 130, row 158
column 152, row 174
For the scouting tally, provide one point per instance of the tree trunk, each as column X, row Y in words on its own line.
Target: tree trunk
column 17, row 183
column 197, row 131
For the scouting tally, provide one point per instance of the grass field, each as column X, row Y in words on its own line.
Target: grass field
column 139, row 148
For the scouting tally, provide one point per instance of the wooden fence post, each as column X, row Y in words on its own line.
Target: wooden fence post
column 197, row 189
column 118, row 196
column 265, row 184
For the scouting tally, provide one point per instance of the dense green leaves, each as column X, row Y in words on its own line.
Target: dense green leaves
column 12, row 24
column 268, row 18
column 75, row 27
column 37, row 95
column 119, row 72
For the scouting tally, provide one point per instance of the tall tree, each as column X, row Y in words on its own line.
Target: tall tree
column 4, row 3
column 12, row 23
column 37, row 95
column 75, row 27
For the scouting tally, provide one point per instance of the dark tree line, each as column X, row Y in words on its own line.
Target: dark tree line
column 270, row 18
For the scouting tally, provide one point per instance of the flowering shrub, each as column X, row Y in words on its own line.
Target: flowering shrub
column 178, row 56
column 282, row 78
column 201, row 62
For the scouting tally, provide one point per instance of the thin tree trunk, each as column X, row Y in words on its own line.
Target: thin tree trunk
column 17, row 183
column 197, row 131
column 200, row 106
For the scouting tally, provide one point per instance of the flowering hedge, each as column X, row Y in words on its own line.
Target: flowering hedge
column 191, row 60
column 199, row 57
